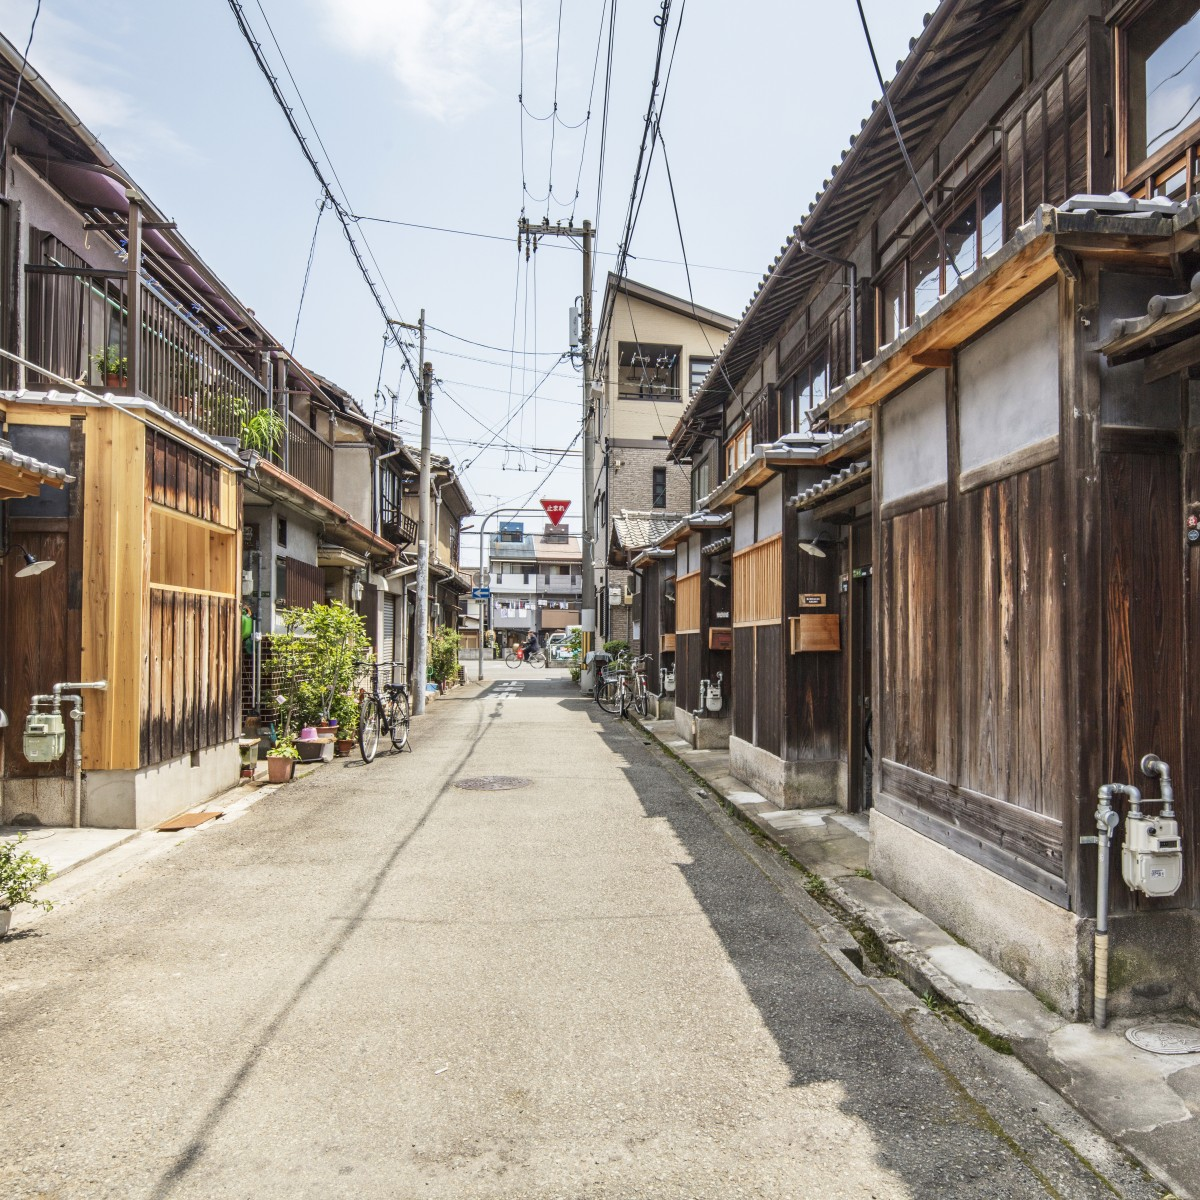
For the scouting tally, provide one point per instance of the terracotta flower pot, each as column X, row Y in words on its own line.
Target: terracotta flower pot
column 344, row 747
column 280, row 770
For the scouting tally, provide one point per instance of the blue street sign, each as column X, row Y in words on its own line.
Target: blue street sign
column 481, row 593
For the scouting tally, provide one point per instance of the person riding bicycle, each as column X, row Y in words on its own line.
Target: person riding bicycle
column 531, row 645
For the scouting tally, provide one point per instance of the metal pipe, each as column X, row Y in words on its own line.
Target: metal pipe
column 76, row 714
column 1153, row 765
column 1107, row 820
column 699, row 712
column 852, row 267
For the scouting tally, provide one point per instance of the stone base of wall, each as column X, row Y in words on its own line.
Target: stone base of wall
column 1043, row 946
column 702, row 733
column 788, row 784
column 124, row 799
column 662, row 709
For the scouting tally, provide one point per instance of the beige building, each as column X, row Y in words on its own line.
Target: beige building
column 654, row 352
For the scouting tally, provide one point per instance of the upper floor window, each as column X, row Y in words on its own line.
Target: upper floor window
column 647, row 371
column 701, row 479
column 737, row 449
column 698, row 369
column 925, row 274
column 1160, row 86
column 804, row 391
column 658, row 498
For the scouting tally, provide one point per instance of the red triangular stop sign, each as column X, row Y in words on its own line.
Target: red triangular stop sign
column 555, row 509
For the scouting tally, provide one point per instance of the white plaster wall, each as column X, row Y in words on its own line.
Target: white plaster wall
column 352, row 481
column 1008, row 385
column 913, row 441
column 743, row 523
column 770, row 509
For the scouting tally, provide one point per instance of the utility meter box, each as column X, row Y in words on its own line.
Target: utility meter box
column 45, row 737
column 1152, row 856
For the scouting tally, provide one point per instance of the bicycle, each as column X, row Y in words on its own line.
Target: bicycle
column 624, row 686
column 388, row 711
column 515, row 656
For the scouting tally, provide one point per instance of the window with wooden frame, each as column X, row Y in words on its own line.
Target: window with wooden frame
column 1158, row 98
column 737, row 449
column 758, row 583
column 913, row 285
column 803, row 391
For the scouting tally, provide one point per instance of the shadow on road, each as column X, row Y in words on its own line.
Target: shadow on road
column 826, row 1029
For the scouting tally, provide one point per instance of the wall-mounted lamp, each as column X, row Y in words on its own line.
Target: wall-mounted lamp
column 717, row 581
column 813, row 548
column 33, row 566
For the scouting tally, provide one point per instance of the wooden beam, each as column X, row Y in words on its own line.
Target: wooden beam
column 1173, row 359
column 934, row 358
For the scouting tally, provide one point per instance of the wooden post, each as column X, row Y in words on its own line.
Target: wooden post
column 133, row 303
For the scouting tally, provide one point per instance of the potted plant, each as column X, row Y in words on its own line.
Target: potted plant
column 113, row 365
column 345, row 711
column 263, row 431
column 281, row 759
column 21, row 874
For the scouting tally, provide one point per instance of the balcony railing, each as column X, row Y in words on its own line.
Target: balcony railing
column 400, row 529
column 77, row 318
column 308, row 457
column 561, row 584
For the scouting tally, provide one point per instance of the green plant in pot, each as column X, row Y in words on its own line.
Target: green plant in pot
column 344, row 710
column 282, row 758
column 263, row 431
column 21, row 874
column 112, row 364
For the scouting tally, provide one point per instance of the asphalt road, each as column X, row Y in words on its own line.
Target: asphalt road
column 376, row 984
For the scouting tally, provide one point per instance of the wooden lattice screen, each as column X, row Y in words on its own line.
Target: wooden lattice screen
column 758, row 583
column 687, row 603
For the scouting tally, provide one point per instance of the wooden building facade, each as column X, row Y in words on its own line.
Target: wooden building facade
column 1008, row 556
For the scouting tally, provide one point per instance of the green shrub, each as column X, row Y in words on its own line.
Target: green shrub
column 21, row 874
column 443, row 655
column 615, row 648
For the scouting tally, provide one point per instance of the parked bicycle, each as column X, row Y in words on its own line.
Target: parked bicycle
column 385, row 711
column 514, row 656
column 623, row 686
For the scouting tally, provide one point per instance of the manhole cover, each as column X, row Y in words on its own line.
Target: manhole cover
column 1166, row 1038
column 492, row 783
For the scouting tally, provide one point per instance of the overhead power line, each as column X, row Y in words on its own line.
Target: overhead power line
column 339, row 209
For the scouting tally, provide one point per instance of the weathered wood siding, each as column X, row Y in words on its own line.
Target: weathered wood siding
column 687, row 670
column 1141, row 516
column 191, row 682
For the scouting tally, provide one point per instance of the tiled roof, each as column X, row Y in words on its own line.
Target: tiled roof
column 856, row 472
column 635, row 530
column 22, row 462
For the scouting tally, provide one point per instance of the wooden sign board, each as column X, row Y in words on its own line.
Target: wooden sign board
column 668, row 642
column 720, row 638
column 812, row 600
column 815, row 631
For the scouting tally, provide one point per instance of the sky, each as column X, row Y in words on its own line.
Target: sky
column 417, row 119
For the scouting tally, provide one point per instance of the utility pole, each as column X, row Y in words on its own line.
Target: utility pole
column 425, row 397
column 529, row 234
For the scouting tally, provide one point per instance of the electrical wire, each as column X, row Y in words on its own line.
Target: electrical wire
column 340, row 210
column 312, row 249
column 498, row 349
column 891, row 112
column 612, row 29
column 12, row 112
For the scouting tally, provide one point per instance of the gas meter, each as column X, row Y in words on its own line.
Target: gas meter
column 45, row 736
column 1152, row 856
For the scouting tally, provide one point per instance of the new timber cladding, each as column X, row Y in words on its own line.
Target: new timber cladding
column 979, row 744
column 190, row 695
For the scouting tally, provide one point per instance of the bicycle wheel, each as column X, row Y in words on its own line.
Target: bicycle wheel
column 511, row 659
column 398, row 717
column 639, row 703
column 368, row 727
column 610, row 697
column 537, row 658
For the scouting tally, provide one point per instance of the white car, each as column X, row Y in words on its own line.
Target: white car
column 558, row 647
